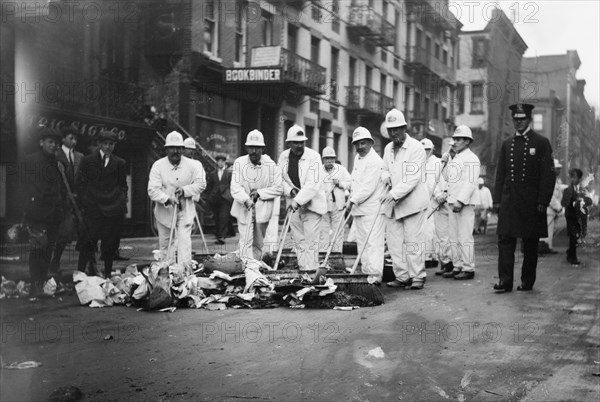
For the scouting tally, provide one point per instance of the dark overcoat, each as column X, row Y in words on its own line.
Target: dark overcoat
column 102, row 190
column 44, row 188
column 524, row 178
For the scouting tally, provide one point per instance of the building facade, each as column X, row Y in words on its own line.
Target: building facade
column 562, row 113
column 217, row 69
column 489, row 81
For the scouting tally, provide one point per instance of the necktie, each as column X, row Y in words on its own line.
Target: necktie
column 105, row 160
column 333, row 194
column 220, row 174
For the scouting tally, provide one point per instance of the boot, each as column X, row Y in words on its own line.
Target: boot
column 448, row 267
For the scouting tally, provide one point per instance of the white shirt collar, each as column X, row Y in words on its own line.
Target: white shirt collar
column 66, row 150
column 524, row 132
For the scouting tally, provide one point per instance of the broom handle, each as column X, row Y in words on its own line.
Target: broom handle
column 285, row 230
column 335, row 235
column 201, row 232
column 173, row 223
column 366, row 241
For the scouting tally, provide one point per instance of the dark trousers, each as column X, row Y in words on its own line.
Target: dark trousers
column 573, row 229
column 39, row 257
column 506, row 260
column 222, row 217
column 107, row 229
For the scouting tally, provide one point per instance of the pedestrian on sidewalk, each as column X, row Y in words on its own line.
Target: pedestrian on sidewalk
column 486, row 204
column 336, row 181
column 255, row 185
column 173, row 184
column 576, row 202
column 102, row 188
column 524, row 183
column 218, row 186
column 301, row 171
column 405, row 204
column 70, row 159
column 365, row 204
column 44, row 205
column 552, row 212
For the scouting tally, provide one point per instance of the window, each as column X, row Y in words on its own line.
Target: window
column 417, row 105
column 445, row 57
column 426, row 107
column 352, row 71
column 436, row 110
column 211, row 27
column 382, row 84
column 335, row 18
column 368, row 76
column 460, row 98
column 314, row 105
column 333, row 84
column 314, row 49
column 437, row 51
column 444, row 113
column 384, row 55
column 406, row 98
column 267, row 28
column 316, row 11
column 239, row 35
column 395, row 93
column 292, row 38
column 479, row 52
column 477, row 97
column 397, row 26
column 538, row 122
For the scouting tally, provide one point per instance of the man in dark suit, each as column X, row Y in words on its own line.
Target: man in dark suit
column 102, row 188
column 70, row 159
column 524, row 185
column 44, row 205
column 220, row 198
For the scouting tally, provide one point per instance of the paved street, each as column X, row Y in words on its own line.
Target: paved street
column 451, row 341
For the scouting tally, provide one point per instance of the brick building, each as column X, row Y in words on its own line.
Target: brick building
column 216, row 70
column 489, row 80
column 562, row 113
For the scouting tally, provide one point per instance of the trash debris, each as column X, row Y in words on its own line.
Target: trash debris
column 23, row 365
column 376, row 353
column 66, row 394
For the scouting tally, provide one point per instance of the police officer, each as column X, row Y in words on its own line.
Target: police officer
column 524, row 185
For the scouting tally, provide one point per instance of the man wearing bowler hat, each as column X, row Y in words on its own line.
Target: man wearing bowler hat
column 44, row 206
column 219, row 195
column 301, row 171
column 102, row 189
column 524, row 184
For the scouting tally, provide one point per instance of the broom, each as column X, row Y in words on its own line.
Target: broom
column 286, row 227
column 357, row 284
column 323, row 266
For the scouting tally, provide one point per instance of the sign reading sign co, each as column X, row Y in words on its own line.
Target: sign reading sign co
column 252, row 75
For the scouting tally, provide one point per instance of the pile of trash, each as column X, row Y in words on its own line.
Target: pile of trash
column 248, row 283
column 14, row 290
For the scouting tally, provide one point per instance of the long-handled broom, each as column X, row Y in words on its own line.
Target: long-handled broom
column 357, row 284
column 323, row 268
column 286, row 227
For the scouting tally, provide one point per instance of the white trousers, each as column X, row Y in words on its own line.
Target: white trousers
column 550, row 219
column 329, row 224
column 305, row 226
column 461, row 238
column 442, row 245
column 252, row 239
column 405, row 240
column 182, row 239
column 372, row 258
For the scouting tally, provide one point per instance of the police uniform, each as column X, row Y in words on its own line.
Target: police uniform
column 524, row 179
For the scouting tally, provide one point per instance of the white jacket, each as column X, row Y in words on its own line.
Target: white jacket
column 367, row 186
column 462, row 174
column 310, row 170
column 406, row 172
column 341, row 174
column 266, row 178
column 485, row 198
column 165, row 179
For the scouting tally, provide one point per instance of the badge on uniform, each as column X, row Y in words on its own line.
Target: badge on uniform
column 531, row 151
